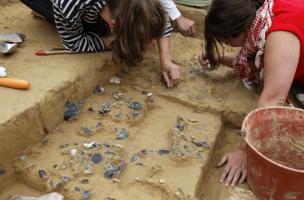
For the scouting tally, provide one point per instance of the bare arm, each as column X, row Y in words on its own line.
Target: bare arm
column 281, row 61
column 170, row 71
column 280, row 64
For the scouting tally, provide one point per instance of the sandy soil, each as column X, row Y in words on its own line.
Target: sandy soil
column 206, row 101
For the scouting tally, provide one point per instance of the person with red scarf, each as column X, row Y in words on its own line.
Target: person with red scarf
column 271, row 34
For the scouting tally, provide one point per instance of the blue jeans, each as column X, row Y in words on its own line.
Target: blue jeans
column 45, row 8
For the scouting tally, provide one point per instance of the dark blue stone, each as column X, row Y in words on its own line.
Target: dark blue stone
column 134, row 158
column 86, row 195
column 164, row 151
column 96, row 158
column 135, row 105
column 123, row 134
column 42, row 174
column 71, row 111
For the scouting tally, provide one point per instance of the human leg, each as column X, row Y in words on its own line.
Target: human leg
column 42, row 7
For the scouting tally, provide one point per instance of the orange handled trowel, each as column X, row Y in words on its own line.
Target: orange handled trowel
column 15, row 83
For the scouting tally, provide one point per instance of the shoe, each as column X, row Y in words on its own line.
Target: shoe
column 296, row 95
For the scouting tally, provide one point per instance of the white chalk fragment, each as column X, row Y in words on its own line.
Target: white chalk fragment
column 3, row 72
column 73, row 153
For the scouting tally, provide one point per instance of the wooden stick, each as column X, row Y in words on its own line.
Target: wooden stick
column 15, row 83
column 54, row 52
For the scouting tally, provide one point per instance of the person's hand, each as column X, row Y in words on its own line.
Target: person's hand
column 235, row 171
column 186, row 26
column 171, row 73
column 203, row 61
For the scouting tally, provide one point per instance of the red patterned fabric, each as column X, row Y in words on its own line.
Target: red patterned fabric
column 254, row 46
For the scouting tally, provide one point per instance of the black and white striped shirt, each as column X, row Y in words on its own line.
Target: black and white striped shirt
column 70, row 16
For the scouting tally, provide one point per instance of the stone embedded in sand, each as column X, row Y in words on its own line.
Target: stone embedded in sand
column 117, row 95
column 90, row 109
column 115, row 80
column 88, row 170
column 163, row 151
column 116, row 180
column 150, row 98
column 140, row 164
column 123, row 134
column 98, row 126
column 66, row 179
column 110, row 171
column 42, row 174
column 98, row 90
column 162, row 181
column 2, row 171
column 201, row 143
column 73, row 153
column 136, row 115
column 84, row 181
column 91, row 145
column 85, row 131
column 71, row 111
column 77, row 189
column 96, row 158
column 106, row 107
column 134, row 158
column 135, row 105
column 180, row 124
column 114, row 167
column 63, row 146
column 86, row 195
column 45, row 141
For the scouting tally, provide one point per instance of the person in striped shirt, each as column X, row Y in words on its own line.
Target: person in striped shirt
column 128, row 27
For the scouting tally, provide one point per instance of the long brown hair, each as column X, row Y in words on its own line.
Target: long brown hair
column 227, row 19
column 137, row 23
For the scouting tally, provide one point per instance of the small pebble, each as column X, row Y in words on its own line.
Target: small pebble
column 90, row 109
column 135, row 105
column 123, row 134
column 96, row 158
column 77, row 189
column 2, row 171
column 180, row 124
column 201, row 143
column 86, row 195
column 116, row 180
column 164, row 151
column 66, row 179
column 140, row 164
column 162, row 181
column 73, row 153
column 45, row 141
column 42, row 174
column 84, row 181
column 86, row 131
column 115, row 80
column 98, row 90
column 143, row 151
column 117, row 95
column 106, row 107
column 63, row 146
column 90, row 145
column 99, row 125
column 89, row 170
column 71, row 111
column 134, row 158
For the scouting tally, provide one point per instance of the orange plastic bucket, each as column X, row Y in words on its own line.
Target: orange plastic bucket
column 275, row 138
